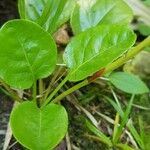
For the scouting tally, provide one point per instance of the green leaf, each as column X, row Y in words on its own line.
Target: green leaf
column 115, row 106
column 124, row 147
column 95, row 48
column 49, row 14
column 39, row 129
column 31, row 9
column 66, row 13
column 144, row 29
column 124, row 121
column 128, row 83
column 102, row 137
column 135, row 134
column 27, row 53
column 147, row 2
column 90, row 13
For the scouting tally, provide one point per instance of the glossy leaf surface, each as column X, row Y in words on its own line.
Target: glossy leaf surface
column 39, row 129
column 128, row 83
column 66, row 13
column 95, row 48
column 90, row 13
column 27, row 53
column 50, row 14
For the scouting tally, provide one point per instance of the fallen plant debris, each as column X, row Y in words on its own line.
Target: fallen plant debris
column 99, row 40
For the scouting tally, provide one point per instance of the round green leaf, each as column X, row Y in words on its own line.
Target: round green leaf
column 90, row 13
column 39, row 129
column 95, row 48
column 128, row 83
column 27, row 53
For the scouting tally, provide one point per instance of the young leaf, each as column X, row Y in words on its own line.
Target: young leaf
column 123, row 121
column 102, row 137
column 115, row 106
column 135, row 134
column 30, row 9
column 66, row 13
column 90, row 13
column 95, row 48
column 124, row 147
column 27, row 53
column 144, row 29
column 128, row 83
column 36, row 128
column 49, row 14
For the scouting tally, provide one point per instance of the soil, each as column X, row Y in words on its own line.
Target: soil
column 8, row 11
column 93, row 101
column 5, row 108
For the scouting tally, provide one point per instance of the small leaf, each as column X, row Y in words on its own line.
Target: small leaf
column 90, row 13
column 128, row 83
column 144, row 29
column 50, row 14
column 124, row 147
column 102, row 137
column 30, row 9
column 135, row 134
column 95, row 48
column 39, row 129
column 147, row 2
column 66, row 13
column 27, row 53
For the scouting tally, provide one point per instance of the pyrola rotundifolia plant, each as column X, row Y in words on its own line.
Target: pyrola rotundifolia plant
column 102, row 42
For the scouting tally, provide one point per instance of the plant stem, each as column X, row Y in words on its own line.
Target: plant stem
column 41, row 87
column 53, row 80
column 41, row 90
column 71, row 90
column 55, row 91
column 34, row 92
column 130, row 54
column 11, row 92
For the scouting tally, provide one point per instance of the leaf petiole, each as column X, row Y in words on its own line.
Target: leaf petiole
column 55, row 91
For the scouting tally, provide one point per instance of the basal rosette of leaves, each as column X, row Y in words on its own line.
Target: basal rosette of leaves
column 28, row 54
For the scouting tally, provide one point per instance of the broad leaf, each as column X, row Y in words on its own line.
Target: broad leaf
column 95, row 48
column 27, row 53
column 49, row 14
column 128, row 83
column 39, row 129
column 90, row 13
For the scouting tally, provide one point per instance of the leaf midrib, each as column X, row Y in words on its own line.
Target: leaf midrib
column 40, row 125
column 27, row 60
column 98, row 54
